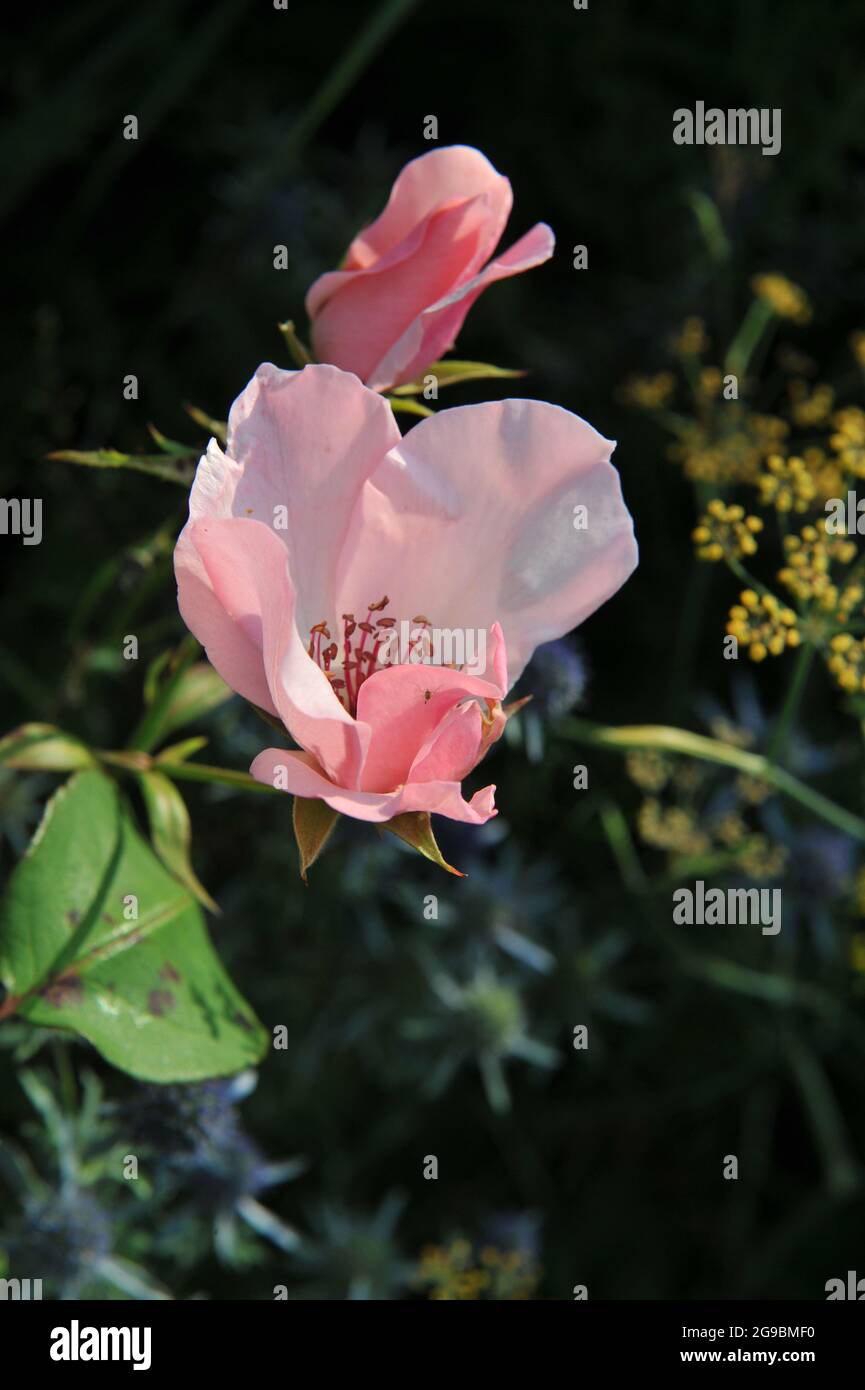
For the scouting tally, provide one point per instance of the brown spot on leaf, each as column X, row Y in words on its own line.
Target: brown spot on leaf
column 73, row 916
column 160, row 1001
column 64, row 992
column 242, row 1022
column 168, row 972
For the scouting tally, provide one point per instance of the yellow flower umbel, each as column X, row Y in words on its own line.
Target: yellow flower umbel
column 709, row 383
column 787, row 484
column 807, row 573
column 725, row 731
column 725, row 532
column 691, row 340
column 649, row 392
column 648, row 769
column 810, row 408
column 786, row 299
column 848, row 441
column 752, row 791
column 671, row 828
column 761, row 859
column 763, row 625
column 826, row 473
column 731, row 450
column 847, row 661
column 455, row 1271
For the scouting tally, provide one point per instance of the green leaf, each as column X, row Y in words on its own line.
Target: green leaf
column 408, row 407
column 160, row 683
column 43, row 748
column 198, row 691
column 152, row 464
column 171, row 832
column 150, row 993
column 313, row 823
column 450, row 372
column 415, row 828
column 154, row 673
column 189, row 691
column 179, row 752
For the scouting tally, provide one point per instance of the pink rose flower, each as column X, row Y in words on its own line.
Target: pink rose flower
column 410, row 278
column 324, row 553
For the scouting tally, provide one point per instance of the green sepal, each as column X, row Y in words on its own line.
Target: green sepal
column 415, row 828
column 313, row 825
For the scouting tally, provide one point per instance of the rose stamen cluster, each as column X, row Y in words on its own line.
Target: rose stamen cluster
column 347, row 663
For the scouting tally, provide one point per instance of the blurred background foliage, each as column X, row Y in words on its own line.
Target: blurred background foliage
column 409, row 1036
